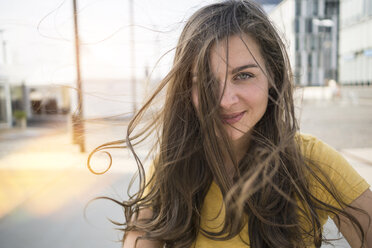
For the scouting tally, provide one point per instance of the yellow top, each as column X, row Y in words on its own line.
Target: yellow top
column 343, row 176
column 346, row 180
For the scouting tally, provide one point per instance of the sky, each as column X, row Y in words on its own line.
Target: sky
column 38, row 39
column 39, row 43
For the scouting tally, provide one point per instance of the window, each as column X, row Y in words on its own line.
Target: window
column 298, row 7
column 368, row 7
column 315, row 7
column 309, row 8
column 309, row 25
column 297, row 43
column 298, row 59
column 331, row 8
column 297, row 25
column 314, row 42
column 309, row 42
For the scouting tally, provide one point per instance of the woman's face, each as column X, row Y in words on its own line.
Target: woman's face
column 244, row 93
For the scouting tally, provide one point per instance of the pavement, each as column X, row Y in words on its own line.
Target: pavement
column 46, row 188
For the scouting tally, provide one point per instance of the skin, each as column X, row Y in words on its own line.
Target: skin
column 243, row 86
column 130, row 238
column 364, row 201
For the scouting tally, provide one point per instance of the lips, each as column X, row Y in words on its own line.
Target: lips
column 232, row 118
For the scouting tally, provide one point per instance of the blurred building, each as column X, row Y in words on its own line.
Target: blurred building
column 355, row 42
column 5, row 101
column 47, row 100
column 18, row 98
column 34, row 100
column 311, row 30
column 268, row 5
column 5, row 105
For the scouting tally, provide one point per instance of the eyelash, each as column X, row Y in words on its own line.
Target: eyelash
column 246, row 76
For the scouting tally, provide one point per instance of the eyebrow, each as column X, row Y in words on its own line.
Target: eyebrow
column 240, row 68
column 234, row 70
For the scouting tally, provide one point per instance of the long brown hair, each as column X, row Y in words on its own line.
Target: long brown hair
column 272, row 173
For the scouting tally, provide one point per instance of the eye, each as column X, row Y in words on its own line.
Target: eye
column 243, row 76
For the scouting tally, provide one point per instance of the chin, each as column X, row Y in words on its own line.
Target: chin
column 236, row 135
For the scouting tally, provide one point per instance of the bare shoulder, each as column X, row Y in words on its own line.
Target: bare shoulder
column 364, row 202
column 130, row 238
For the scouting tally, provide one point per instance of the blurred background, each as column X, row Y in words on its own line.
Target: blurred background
column 73, row 72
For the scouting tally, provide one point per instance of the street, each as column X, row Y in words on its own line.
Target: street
column 45, row 186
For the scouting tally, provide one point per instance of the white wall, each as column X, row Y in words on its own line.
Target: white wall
column 283, row 17
column 355, row 40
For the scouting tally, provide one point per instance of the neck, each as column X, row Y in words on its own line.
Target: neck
column 239, row 147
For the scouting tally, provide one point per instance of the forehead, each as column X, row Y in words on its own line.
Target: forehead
column 235, row 51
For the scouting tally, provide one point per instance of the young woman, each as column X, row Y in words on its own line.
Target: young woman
column 231, row 168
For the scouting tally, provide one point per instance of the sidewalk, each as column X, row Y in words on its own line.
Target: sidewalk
column 28, row 155
column 45, row 187
column 361, row 160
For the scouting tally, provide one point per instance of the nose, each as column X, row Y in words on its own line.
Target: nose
column 229, row 95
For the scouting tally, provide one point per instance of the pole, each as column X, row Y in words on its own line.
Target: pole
column 132, row 56
column 79, row 124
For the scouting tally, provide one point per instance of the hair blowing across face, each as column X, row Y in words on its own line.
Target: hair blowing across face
column 189, row 155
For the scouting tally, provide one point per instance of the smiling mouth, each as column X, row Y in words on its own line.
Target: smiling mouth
column 233, row 118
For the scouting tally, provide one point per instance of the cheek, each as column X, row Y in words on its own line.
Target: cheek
column 256, row 93
column 262, row 97
column 262, row 101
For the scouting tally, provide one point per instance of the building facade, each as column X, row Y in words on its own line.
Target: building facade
column 17, row 97
column 311, row 30
column 5, row 101
column 5, row 105
column 355, row 58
